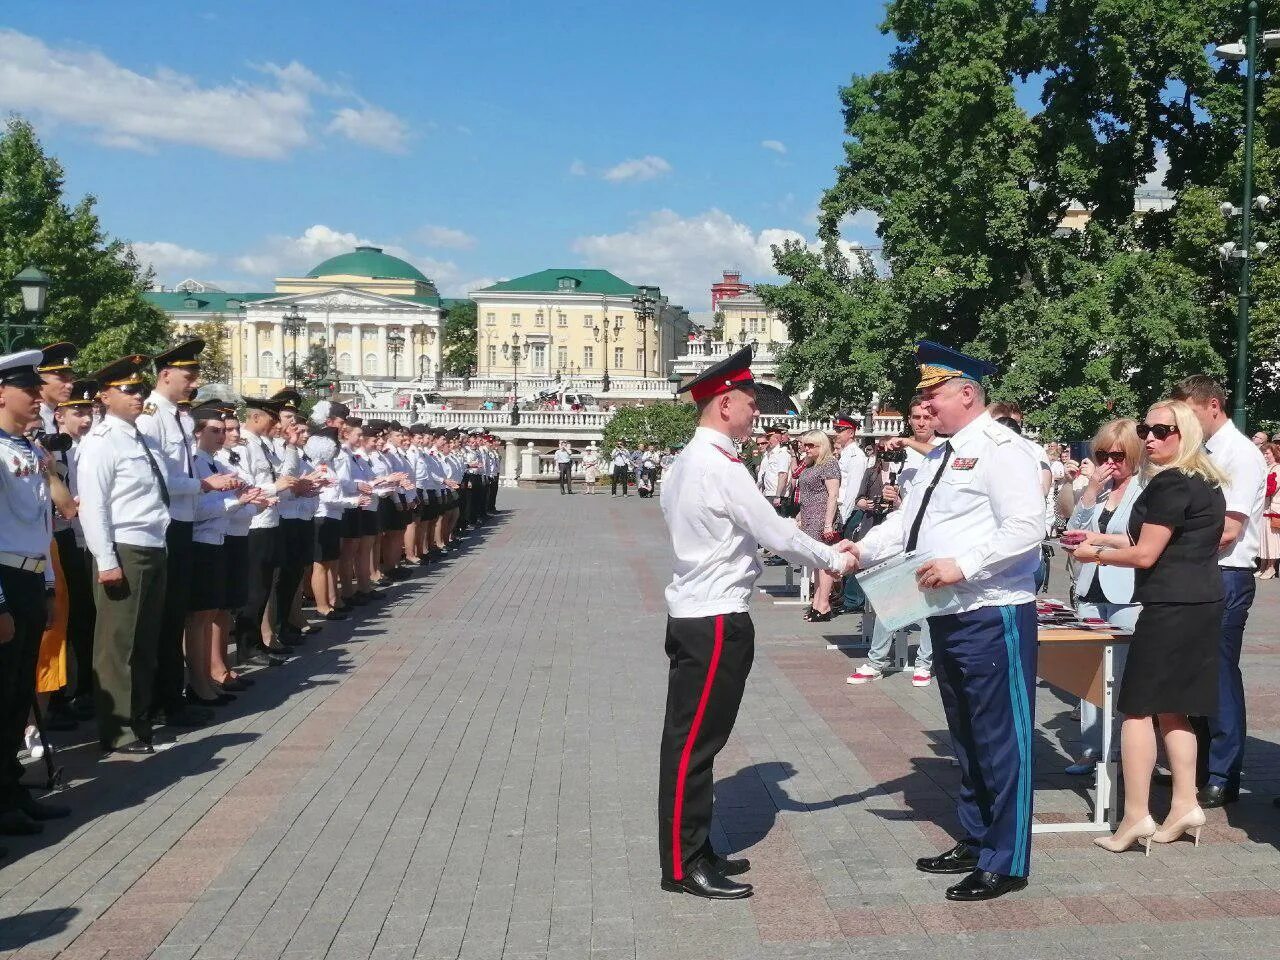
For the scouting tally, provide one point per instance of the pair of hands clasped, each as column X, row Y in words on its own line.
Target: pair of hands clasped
column 932, row 575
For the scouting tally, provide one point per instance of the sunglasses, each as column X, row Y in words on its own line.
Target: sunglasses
column 809, row 446
column 1115, row 456
column 1161, row 431
column 139, row 390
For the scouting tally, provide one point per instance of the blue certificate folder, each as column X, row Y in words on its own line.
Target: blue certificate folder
column 896, row 598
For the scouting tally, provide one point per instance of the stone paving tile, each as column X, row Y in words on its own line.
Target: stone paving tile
column 469, row 772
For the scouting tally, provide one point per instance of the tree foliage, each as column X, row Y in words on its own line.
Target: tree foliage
column 96, row 283
column 458, row 345
column 215, row 360
column 993, row 118
column 663, row 424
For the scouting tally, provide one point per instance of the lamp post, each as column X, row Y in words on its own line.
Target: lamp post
column 34, row 284
column 395, row 344
column 643, row 303
column 293, row 323
column 675, row 380
column 1246, row 51
column 615, row 330
column 514, row 350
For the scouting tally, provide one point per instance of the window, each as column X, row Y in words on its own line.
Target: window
column 587, row 322
column 490, row 319
column 617, row 356
column 562, row 357
column 515, row 319
column 589, row 358
column 639, row 359
column 491, row 356
column 562, row 320
column 640, row 324
column 539, row 320
column 371, row 363
column 567, row 283
column 368, row 333
column 266, row 363
column 344, row 363
column 619, row 321
column 539, row 355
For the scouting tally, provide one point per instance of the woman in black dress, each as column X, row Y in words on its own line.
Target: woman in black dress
column 1172, row 670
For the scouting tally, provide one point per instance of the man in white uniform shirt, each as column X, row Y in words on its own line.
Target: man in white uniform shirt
column 1223, row 737
column 853, row 466
column 56, row 376
column 975, row 512
column 716, row 517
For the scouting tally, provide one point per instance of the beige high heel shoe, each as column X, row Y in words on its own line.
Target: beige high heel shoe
column 1140, row 832
column 1190, row 822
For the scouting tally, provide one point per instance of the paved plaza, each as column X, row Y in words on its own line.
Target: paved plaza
column 470, row 772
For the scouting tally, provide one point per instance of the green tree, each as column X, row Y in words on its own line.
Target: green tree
column 663, row 424
column 315, row 365
column 459, row 338
column 215, row 361
column 95, row 292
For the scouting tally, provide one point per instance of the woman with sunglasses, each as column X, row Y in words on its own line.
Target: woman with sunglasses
column 818, row 490
column 1106, row 593
column 1172, row 672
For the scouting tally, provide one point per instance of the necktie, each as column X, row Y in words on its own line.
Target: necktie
column 928, row 495
column 266, row 455
column 155, row 468
column 186, row 443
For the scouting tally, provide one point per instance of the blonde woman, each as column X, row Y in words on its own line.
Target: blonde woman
column 1172, row 671
column 818, row 490
column 1269, row 548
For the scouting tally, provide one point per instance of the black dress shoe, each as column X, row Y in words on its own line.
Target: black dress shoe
column 334, row 616
column 39, row 811
column 703, row 880
column 729, row 866
column 234, row 685
column 183, row 715
column 961, row 858
column 984, row 885
column 14, row 822
column 138, row 748
column 1217, row 795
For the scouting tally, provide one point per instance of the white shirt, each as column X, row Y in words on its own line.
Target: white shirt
column 260, row 462
column 120, row 499
column 239, row 522
column 25, row 505
column 563, row 456
column 1236, row 456
column 716, row 517
column 776, row 461
column 213, row 507
column 620, row 458
column 296, row 464
column 986, row 513
column 911, row 467
column 853, row 465
column 172, row 431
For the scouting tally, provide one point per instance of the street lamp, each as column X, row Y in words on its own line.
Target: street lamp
column 293, row 324
column 675, row 380
column 643, row 303
column 615, row 330
column 515, row 352
column 34, row 284
column 1246, row 51
column 395, row 344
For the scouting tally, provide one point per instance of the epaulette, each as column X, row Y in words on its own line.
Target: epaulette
column 999, row 433
column 149, row 409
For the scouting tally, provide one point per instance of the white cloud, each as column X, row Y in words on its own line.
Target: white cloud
column 636, row 170
column 578, row 169
column 371, row 127
column 434, row 235
column 169, row 259
column 126, row 109
column 777, row 146
column 1155, row 179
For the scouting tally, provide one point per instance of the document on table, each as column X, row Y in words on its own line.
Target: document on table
column 897, row 598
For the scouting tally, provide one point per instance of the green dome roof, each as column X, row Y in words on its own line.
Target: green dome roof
column 369, row 262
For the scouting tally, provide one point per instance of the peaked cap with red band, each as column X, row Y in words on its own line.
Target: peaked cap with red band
column 729, row 374
column 845, row 421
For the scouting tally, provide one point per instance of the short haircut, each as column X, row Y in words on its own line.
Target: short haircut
column 1004, row 408
column 915, row 401
column 1121, row 434
column 1199, row 389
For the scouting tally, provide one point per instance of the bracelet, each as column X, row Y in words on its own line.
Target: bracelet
column 1098, row 561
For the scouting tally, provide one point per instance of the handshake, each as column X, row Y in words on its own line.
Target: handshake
column 847, row 558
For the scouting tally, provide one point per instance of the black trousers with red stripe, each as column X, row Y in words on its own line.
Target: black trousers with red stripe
column 710, row 660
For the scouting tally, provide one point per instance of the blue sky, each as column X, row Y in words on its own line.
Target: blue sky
column 235, row 141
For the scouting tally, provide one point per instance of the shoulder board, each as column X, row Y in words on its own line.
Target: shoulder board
column 149, row 409
column 726, row 454
column 999, row 434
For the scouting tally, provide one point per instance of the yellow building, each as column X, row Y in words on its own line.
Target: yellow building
column 575, row 322
column 374, row 316
column 746, row 318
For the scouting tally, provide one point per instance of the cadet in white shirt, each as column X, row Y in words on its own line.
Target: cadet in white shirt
column 716, row 517
column 124, row 510
column 1222, row 737
column 56, row 376
column 853, row 465
column 297, row 522
column 976, row 509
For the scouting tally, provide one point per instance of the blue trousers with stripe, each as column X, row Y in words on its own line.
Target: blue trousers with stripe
column 985, row 664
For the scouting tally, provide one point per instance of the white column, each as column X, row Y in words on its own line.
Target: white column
column 277, row 333
column 384, row 356
column 251, row 329
column 357, row 336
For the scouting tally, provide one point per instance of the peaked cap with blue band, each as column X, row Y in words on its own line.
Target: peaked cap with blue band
column 938, row 364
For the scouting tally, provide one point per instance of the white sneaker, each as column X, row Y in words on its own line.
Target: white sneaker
column 865, row 674
column 33, row 743
column 922, row 677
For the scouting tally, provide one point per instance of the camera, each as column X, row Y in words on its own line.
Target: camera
column 894, row 456
column 52, row 442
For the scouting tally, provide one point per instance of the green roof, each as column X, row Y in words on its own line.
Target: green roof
column 176, row 301
column 369, row 262
column 585, row 281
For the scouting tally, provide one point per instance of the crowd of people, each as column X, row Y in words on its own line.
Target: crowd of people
column 641, row 467
column 155, row 546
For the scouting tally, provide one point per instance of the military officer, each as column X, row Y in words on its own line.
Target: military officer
column 716, row 516
column 56, row 376
column 172, row 431
column 124, row 510
column 976, row 515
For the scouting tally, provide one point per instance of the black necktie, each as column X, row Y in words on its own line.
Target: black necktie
column 928, row 495
column 155, row 468
column 266, row 453
column 186, row 444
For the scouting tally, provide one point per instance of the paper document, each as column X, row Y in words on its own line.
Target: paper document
column 897, row 598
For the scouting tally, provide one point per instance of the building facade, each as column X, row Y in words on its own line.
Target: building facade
column 360, row 314
column 576, row 322
column 729, row 286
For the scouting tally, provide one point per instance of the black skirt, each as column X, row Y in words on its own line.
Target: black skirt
column 207, row 588
column 351, row 523
column 328, row 539
column 369, row 526
column 389, row 515
column 1173, row 661
column 235, row 558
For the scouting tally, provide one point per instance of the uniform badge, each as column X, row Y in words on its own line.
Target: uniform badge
column 964, row 463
